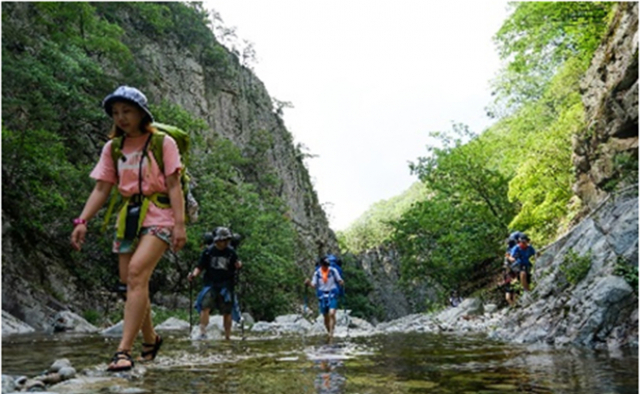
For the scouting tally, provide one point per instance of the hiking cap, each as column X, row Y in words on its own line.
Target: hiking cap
column 524, row 237
column 126, row 93
column 222, row 234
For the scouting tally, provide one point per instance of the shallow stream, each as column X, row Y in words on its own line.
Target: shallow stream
column 397, row 363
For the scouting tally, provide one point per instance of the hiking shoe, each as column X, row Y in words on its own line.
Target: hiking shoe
column 201, row 337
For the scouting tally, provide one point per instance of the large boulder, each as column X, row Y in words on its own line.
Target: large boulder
column 11, row 325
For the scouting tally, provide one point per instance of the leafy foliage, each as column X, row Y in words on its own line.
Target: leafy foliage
column 575, row 267
column 538, row 37
column 357, row 290
column 374, row 227
column 628, row 270
column 467, row 212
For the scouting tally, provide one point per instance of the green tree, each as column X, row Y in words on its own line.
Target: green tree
column 538, row 37
column 467, row 212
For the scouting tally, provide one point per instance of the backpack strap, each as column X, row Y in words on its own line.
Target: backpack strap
column 116, row 151
column 157, row 143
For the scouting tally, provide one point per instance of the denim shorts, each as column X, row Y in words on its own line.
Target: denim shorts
column 327, row 303
column 214, row 300
column 124, row 246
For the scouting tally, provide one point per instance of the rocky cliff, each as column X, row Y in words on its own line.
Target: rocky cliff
column 602, row 307
column 605, row 155
column 238, row 108
column 394, row 298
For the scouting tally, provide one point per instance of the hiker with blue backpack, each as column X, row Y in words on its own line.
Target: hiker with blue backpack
column 219, row 262
column 152, row 215
column 520, row 256
column 327, row 281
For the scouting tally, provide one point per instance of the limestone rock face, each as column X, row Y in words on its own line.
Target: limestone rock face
column 237, row 106
column 606, row 153
column 382, row 267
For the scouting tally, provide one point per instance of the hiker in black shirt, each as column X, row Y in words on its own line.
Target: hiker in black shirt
column 219, row 263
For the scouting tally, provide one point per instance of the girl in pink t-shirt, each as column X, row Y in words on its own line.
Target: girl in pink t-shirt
column 137, row 174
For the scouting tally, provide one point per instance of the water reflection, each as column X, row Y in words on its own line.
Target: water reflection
column 328, row 360
column 399, row 363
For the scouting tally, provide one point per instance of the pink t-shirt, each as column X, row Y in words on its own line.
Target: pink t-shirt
column 153, row 181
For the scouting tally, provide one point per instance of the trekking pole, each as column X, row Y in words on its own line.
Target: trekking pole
column 236, row 303
column 190, row 306
column 344, row 308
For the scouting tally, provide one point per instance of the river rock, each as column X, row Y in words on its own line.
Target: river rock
column 288, row 318
column 468, row 307
column 51, row 378
column 214, row 330
column 67, row 373
column 263, row 327
column 113, row 331
column 248, row 319
column 361, row 324
column 8, row 383
column 69, row 321
column 58, row 364
column 173, row 324
column 34, row 386
column 490, row 308
column 12, row 325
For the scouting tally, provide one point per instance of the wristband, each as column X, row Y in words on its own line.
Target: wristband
column 78, row 221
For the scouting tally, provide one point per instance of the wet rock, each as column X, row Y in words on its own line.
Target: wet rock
column 58, row 364
column 51, row 378
column 8, row 384
column 86, row 384
column 67, row 373
column 34, row 386
column 127, row 390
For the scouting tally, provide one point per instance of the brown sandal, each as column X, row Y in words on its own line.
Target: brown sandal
column 154, row 349
column 119, row 356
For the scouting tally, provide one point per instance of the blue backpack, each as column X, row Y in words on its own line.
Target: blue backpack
column 337, row 264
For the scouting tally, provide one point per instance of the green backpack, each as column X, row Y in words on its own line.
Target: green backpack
column 155, row 146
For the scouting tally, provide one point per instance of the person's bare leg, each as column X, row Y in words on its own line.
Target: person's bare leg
column 227, row 326
column 204, row 321
column 327, row 323
column 332, row 321
column 139, row 269
column 525, row 280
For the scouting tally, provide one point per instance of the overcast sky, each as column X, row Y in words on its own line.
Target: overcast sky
column 368, row 81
